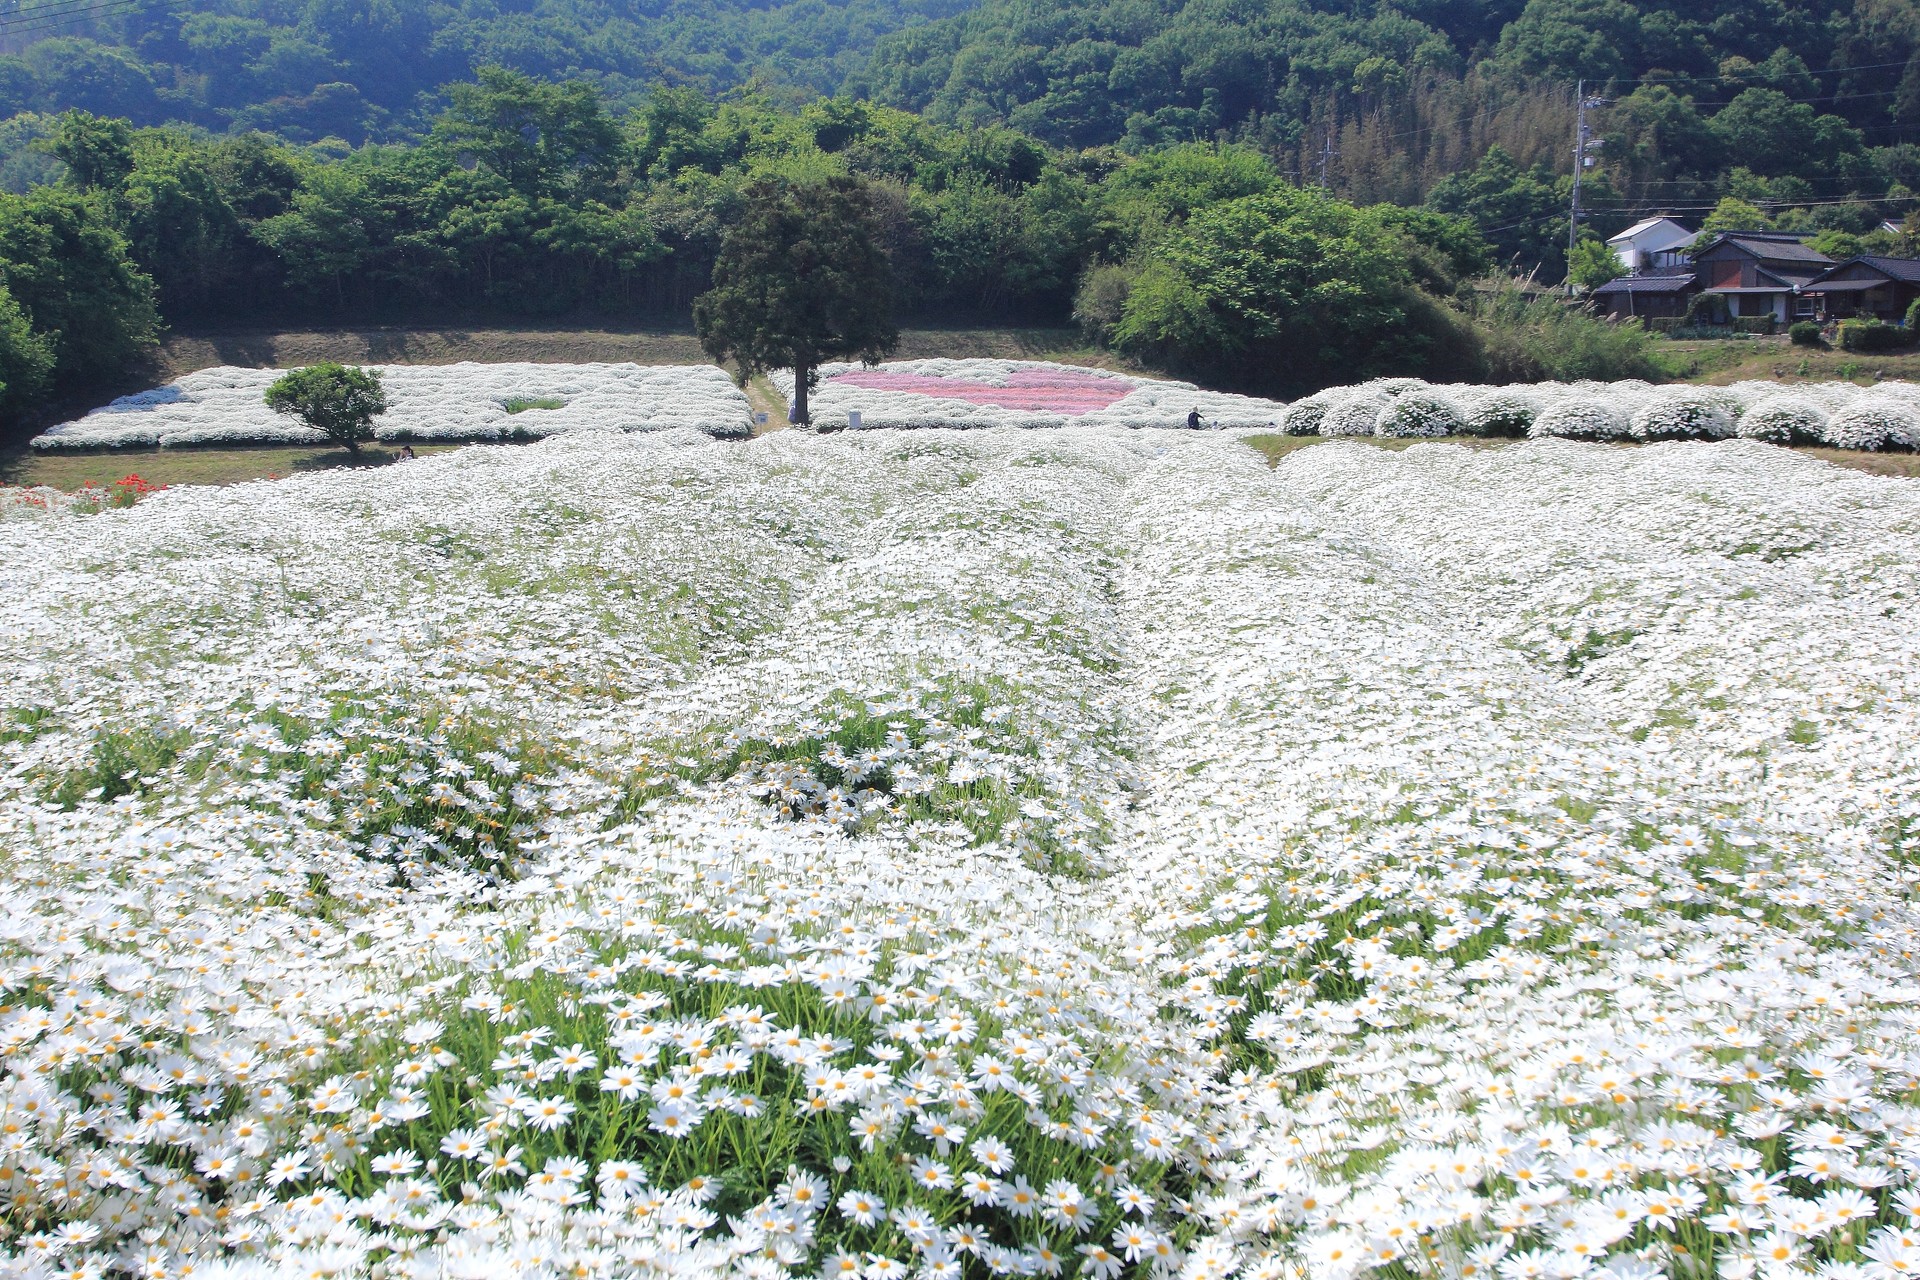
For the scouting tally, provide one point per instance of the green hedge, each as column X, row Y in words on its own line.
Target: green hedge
column 1872, row 335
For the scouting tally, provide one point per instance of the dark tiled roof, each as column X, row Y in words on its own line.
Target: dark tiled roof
column 1907, row 269
column 1777, row 249
column 1647, row 284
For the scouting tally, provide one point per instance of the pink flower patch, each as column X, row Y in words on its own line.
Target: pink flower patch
column 1056, row 391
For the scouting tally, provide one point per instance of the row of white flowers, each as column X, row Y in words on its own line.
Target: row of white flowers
column 1003, row 853
column 1839, row 414
column 472, row 402
column 223, row 406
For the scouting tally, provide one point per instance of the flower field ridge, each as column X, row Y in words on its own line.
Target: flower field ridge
column 898, row 854
column 466, row 401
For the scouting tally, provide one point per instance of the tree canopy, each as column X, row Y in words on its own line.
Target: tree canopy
column 801, row 279
column 335, row 399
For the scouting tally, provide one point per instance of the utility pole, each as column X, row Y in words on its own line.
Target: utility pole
column 1583, row 143
column 1327, row 154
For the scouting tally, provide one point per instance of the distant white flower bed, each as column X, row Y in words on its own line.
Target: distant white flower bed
column 1839, row 414
column 465, row 402
column 429, row 402
column 1016, row 393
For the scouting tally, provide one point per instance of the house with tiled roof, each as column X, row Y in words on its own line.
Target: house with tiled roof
column 1760, row 274
column 1661, row 296
column 1867, row 286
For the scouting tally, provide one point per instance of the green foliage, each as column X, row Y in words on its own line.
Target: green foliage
column 1913, row 316
column 1872, row 335
column 1804, row 333
column 1592, row 264
column 1732, row 214
column 121, row 763
column 26, row 359
column 97, row 151
column 801, row 279
column 1537, row 338
column 1101, row 302
column 1289, row 290
column 335, row 399
column 534, row 135
column 1521, row 212
column 1838, row 245
column 1386, row 103
column 68, row 269
column 520, row 404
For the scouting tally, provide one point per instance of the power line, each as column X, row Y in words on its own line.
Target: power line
column 1823, row 71
column 62, row 12
column 1765, row 202
column 81, row 13
column 1825, row 97
column 13, row 17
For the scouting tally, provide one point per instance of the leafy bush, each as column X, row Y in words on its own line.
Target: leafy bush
column 1873, row 423
column 1913, row 317
column 1502, row 413
column 1783, row 420
column 1580, row 420
column 1804, row 333
column 1542, row 339
column 1421, row 414
column 1684, row 415
column 1101, row 301
column 332, row 398
column 1755, row 324
column 1705, row 310
column 1872, row 335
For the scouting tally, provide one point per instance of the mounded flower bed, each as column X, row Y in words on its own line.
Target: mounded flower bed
column 988, row 853
column 457, row 402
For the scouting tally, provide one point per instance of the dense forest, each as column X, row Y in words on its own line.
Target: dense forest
column 1119, row 162
column 1806, row 99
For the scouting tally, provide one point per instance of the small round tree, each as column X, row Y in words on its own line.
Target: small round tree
column 335, row 399
column 801, row 279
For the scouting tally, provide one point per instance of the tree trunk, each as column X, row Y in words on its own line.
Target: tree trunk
column 800, row 412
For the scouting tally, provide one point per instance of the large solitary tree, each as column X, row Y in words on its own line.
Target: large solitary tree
column 338, row 400
column 801, row 279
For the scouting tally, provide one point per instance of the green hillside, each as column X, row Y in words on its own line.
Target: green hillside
column 1119, row 163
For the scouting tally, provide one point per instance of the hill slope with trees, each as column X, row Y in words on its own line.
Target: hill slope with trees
column 1382, row 99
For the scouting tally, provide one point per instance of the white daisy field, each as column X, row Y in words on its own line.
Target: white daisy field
column 995, row 853
column 224, row 406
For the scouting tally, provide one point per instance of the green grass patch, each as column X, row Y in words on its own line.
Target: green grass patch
column 520, row 404
column 861, row 767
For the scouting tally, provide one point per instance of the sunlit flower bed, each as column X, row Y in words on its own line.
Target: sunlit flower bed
column 1012, row 393
column 994, row 853
column 427, row 402
column 1841, row 415
column 1016, row 393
